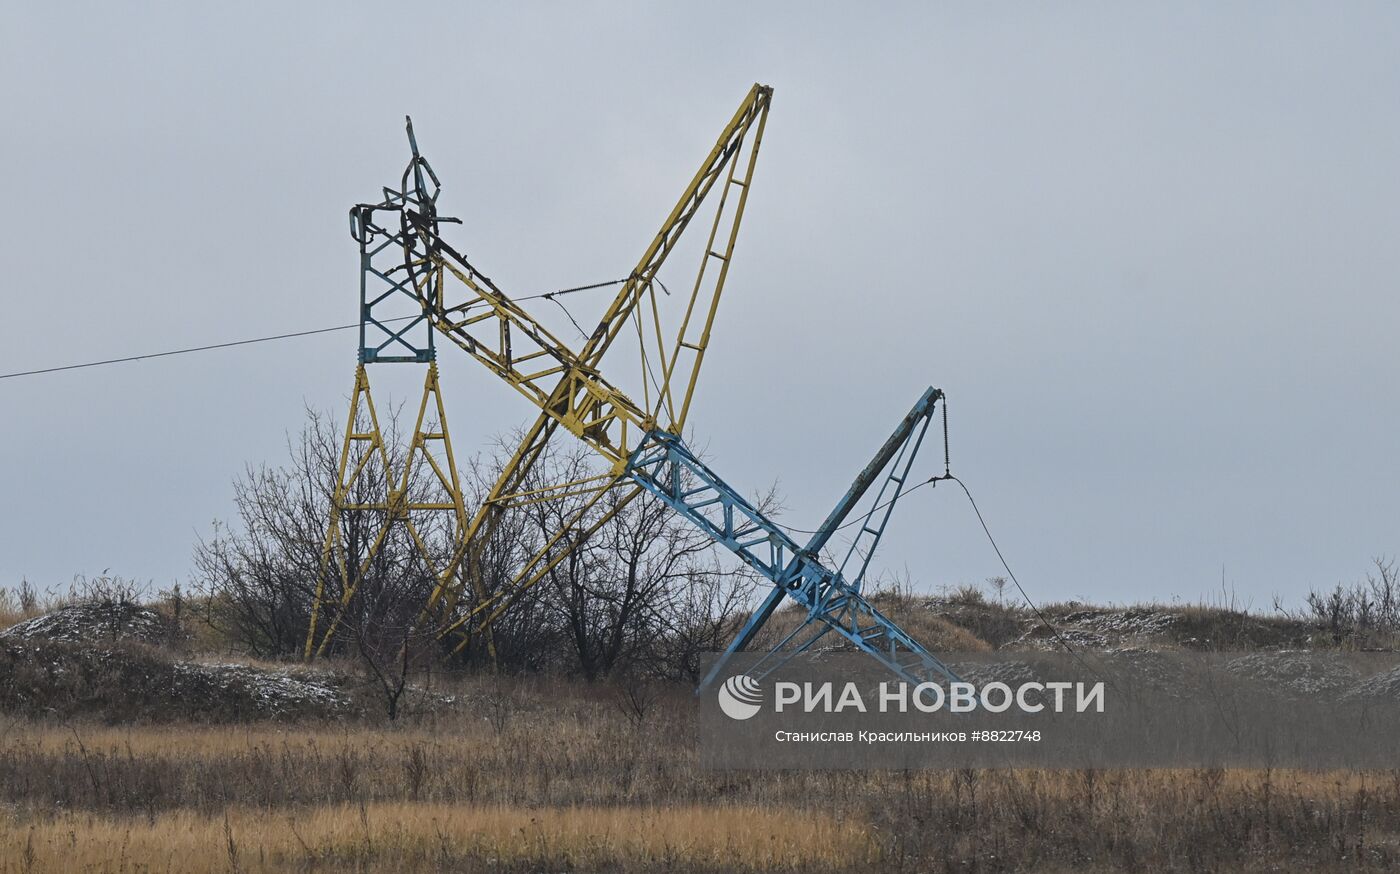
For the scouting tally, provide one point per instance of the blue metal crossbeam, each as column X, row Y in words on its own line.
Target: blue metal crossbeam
column 663, row 465
column 393, row 278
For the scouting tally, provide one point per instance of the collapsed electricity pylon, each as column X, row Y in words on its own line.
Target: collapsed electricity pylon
column 641, row 445
column 396, row 498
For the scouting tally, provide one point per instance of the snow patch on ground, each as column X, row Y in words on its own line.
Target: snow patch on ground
column 94, row 623
column 272, row 692
column 112, row 658
column 1385, row 685
column 1298, row 673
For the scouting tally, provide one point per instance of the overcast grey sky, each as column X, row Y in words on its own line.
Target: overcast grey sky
column 1149, row 250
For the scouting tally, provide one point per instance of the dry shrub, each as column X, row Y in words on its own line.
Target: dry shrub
column 19, row 604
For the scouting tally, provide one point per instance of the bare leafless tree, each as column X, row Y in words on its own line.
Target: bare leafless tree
column 260, row 574
column 1365, row 612
column 646, row 595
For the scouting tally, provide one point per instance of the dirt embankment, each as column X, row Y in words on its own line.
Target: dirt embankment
column 114, row 662
column 1005, row 626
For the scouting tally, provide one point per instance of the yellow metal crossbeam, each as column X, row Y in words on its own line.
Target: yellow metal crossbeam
column 396, row 505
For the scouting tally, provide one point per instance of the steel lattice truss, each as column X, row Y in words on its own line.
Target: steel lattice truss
column 641, row 444
column 424, row 487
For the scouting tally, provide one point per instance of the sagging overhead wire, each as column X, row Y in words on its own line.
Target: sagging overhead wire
column 577, row 327
column 908, row 491
column 1025, row 596
column 1010, row 573
column 549, row 295
column 948, row 475
column 187, row 350
column 1073, row 651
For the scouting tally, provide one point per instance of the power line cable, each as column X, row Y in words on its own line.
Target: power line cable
column 577, row 327
column 947, row 475
column 188, row 350
column 997, row 549
column 1073, row 651
column 862, row 516
column 550, row 295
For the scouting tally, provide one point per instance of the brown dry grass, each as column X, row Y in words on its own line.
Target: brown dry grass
column 545, row 775
column 11, row 613
column 401, row 836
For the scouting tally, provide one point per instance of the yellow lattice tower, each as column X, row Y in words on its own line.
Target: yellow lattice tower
column 366, row 466
column 393, row 329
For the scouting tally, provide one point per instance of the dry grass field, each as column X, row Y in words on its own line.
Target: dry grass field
column 526, row 775
column 105, row 769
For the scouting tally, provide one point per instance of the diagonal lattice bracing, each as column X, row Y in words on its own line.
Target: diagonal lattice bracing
column 640, row 444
